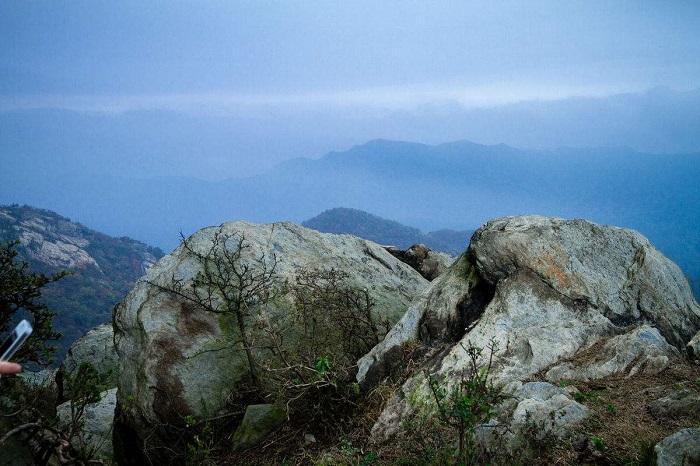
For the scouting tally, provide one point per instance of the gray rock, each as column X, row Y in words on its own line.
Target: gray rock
column 174, row 362
column 682, row 402
column 42, row 378
column 545, row 410
column 679, row 449
column 545, row 290
column 693, row 347
column 97, row 348
column 258, row 422
column 642, row 350
column 430, row 264
column 433, row 314
column 614, row 270
column 96, row 430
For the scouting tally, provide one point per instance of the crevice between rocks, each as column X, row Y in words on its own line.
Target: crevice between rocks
column 467, row 312
column 471, row 307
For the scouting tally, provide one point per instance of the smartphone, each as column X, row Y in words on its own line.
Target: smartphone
column 10, row 346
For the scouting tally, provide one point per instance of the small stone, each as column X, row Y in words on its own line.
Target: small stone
column 258, row 422
column 546, row 408
column 309, row 439
column 571, row 390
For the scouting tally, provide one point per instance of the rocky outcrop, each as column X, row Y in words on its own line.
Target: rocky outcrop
column 96, row 427
column 103, row 268
column 428, row 263
column 563, row 298
column 679, row 449
column 176, row 361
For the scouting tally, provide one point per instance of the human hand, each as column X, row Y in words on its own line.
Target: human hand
column 7, row 368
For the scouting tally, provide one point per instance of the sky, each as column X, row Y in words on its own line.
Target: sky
column 179, row 96
column 288, row 56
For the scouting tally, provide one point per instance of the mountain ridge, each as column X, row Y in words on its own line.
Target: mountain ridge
column 103, row 268
column 344, row 220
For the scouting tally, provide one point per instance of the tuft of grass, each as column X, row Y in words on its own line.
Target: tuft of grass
column 587, row 396
column 598, row 443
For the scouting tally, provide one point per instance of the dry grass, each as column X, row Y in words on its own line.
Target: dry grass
column 621, row 418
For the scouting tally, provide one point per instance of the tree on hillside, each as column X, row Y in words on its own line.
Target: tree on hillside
column 20, row 297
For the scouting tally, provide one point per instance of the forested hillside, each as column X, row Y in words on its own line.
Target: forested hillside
column 387, row 232
column 103, row 268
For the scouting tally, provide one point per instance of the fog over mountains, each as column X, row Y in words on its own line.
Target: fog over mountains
column 457, row 185
column 239, row 141
column 151, row 174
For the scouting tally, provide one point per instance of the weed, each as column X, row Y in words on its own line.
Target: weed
column 598, row 443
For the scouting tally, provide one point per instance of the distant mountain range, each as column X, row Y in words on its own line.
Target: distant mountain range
column 457, row 185
column 103, row 268
column 246, row 141
column 387, row 232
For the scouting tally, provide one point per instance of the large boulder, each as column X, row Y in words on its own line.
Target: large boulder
column 574, row 298
column 174, row 360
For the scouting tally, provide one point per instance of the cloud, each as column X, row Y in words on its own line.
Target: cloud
column 385, row 98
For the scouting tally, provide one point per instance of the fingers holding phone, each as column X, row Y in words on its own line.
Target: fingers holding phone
column 7, row 368
column 10, row 346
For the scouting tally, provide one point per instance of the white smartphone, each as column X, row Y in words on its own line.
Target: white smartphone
column 10, row 346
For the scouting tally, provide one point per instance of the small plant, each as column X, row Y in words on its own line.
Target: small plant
column 84, row 387
column 646, row 457
column 201, row 446
column 369, row 459
column 584, row 397
column 611, row 408
column 598, row 443
column 347, row 449
column 470, row 402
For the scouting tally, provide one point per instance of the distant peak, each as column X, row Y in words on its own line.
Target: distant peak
column 382, row 143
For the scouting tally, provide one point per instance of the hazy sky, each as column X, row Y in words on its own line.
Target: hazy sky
column 229, row 55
